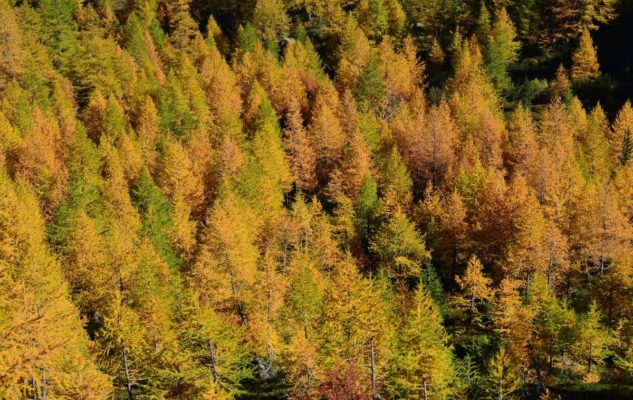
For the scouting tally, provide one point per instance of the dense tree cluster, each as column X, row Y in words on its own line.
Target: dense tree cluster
column 309, row 199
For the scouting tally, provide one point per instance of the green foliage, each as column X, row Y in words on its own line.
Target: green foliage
column 423, row 364
column 367, row 207
column 431, row 281
column 155, row 212
column 501, row 52
column 173, row 108
column 370, row 89
column 503, row 379
column 247, row 38
column 155, row 242
column 84, row 190
column 399, row 247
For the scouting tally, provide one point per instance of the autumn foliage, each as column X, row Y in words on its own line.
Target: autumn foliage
column 310, row 199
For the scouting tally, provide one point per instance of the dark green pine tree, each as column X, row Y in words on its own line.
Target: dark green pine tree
column 246, row 38
column 366, row 209
column 84, row 190
column 370, row 90
column 501, row 52
column 173, row 108
column 155, row 212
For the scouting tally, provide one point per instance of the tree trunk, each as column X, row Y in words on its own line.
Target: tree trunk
column 537, row 369
column 373, row 370
column 214, row 366
column 128, row 382
column 590, row 358
column 44, row 386
column 35, row 389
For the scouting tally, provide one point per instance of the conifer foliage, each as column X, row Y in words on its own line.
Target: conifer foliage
column 311, row 199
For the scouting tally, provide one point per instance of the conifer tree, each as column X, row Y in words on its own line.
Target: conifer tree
column 226, row 267
column 354, row 321
column 373, row 16
column 592, row 343
column 399, row 247
column 422, row 366
column 326, row 135
column 155, row 212
column 501, row 51
column 271, row 21
column 12, row 56
column 219, row 345
column 44, row 350
column 438, row 146
column 395, row 182
column 585, row 60
column 474, row 285
column 503, row 379
column 182, row 26
column 301, row 155
column 623, row 123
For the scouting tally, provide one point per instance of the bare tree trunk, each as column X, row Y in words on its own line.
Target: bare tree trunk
column 373, row 369
column 426, row 395
column 35, row 389
column 590, row 357
column 214, row 367
column 454, row 259
column 44, row 386
column 128, row 382
column 537, row 369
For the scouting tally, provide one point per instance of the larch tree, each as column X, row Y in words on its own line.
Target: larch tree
column 394, row 182
column 326, row 135
column 176, row 175
column 439, row 146
column 303, row 304
column 354, row 52
column 219, row 345
column 453, row 229
column 592, row 344
column 354, row 321
column 422, row 366
column 620, row 137
column 502, row 50
column 503, row 379
column 226, row 267
column 301, row 155
column 44, row 351
column 373, row 16
column 513, row 320
column 271, row 21
column 12, row 56
column 474, row 285
column 399, row 247
column 585, row 60
column 566, row 20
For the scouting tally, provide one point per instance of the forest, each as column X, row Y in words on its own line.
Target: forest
column 316, row 199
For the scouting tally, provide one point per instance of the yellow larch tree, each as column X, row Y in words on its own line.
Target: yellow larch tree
column 44, row 351
column 585, row 60
column 474, row 285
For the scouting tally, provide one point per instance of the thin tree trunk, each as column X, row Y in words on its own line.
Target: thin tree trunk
column 537, row 369
column 44, row 388
column 373, row 369
column 214, row 367
column 128, row 382
column 454, row 251
column 35, row 389
column 590, row 357
column 426, row 395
